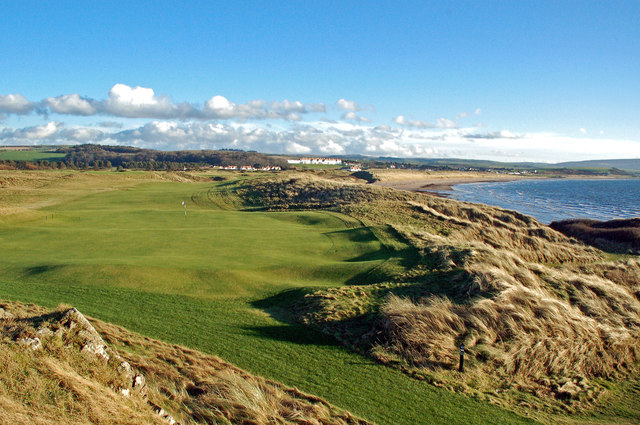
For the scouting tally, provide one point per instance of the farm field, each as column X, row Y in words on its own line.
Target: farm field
column 29, row 155
column 118, row 247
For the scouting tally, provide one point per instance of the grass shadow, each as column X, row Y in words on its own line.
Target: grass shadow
column 292, row 333
column 41, row 269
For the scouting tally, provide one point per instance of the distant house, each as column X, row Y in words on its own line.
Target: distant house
column 355, row 168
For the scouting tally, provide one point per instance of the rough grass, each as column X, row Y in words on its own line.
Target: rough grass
column 60, row 383
column 620, row 236
column 539, row 311
column 117, row 246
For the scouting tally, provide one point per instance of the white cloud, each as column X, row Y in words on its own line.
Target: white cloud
column 220, row 107
column 478, row 111
column 325, row 138
column 41, row 131
column 71, row 104
column 15, row 104
column 80, row 135
column 141, row 102
column 348, row 105
column 446, row 123
column 316, row 107
column 31, row 135
column 332, row 148
column 293, row 147
column 440, row 123
column 401, row 120
column 352, row 116
column 583, row 131
column 288, row 106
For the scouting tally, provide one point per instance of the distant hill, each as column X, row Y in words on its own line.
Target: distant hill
column 622, row 164
column 598, row 167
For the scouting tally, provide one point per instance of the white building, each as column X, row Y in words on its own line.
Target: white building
column 325, row 161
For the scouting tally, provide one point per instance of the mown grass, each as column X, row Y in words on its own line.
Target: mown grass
column 132, row 258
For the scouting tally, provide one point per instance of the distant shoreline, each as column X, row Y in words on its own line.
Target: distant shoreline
column 436, row 184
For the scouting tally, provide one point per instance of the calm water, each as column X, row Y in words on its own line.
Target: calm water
column 549, row 200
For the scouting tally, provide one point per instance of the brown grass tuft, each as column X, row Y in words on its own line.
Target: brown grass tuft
column 61, row 384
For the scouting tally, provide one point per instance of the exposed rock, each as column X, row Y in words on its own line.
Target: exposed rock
column 164, row 415
column 125, row 368
column 96, row 349
column 74, row 329
column 44, row 332
column 33, row 343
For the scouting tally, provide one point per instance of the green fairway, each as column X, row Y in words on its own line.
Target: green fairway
column 133, row 258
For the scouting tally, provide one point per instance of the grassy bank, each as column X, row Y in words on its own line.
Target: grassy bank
column 120, row 248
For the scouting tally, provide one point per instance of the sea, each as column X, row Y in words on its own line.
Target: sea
column 557, row 199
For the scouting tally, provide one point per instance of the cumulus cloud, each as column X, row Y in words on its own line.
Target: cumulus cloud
column 446, row 123
column 316, row 107
column 401, row 120
column 219, row 107
column 352, row 116
column 15, row 104
column 28, row 135
column 79, row 135
column 287, row 106
column 142, row 102
column 71, row 104
column 325, row 138
column 440, row 123
column 583, row 131
column 348, row 105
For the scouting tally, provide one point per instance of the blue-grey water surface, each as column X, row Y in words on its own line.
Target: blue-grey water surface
column 558, row 199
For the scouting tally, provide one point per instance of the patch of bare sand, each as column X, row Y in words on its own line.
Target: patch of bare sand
column 435, row 181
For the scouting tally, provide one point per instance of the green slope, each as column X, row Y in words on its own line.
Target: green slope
column 131, row 257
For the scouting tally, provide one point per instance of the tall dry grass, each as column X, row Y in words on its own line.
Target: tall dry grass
column 60, row 383
column 531, row 305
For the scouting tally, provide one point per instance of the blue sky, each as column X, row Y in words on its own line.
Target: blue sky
column 514, row 81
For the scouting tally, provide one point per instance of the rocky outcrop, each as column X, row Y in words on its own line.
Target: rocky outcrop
column 74, row 330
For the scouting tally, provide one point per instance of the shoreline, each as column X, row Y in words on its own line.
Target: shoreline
column 435, row 184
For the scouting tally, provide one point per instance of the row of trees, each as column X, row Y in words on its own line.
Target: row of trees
column 125, row 157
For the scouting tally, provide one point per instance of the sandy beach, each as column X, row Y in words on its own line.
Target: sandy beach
column 433, row 182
